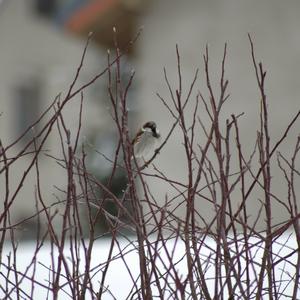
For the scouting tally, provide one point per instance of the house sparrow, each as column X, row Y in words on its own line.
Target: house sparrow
column 145, row 140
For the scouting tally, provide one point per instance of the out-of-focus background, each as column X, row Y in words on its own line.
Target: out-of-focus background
column 41, row 42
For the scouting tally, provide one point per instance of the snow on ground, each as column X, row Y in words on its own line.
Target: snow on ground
column 118, row 280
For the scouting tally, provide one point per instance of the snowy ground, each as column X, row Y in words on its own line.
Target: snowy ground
column 118, row 280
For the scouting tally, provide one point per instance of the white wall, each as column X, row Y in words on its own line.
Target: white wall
column 33, row 47
column 274, row 26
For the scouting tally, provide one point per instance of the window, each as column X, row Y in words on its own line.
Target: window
column 27, row 96
column 45, row 8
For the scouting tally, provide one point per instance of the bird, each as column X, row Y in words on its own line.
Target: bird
column 145, row 140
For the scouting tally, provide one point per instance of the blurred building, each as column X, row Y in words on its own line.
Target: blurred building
column 41, row 43
column 193, row 25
